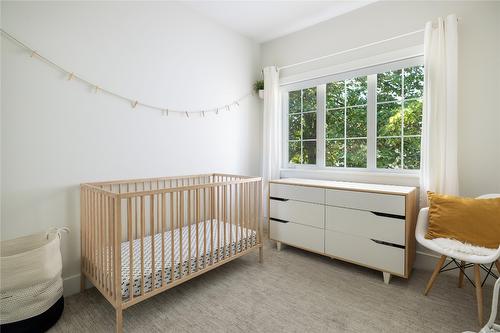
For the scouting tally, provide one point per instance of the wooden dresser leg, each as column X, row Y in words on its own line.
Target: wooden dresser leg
column 439, row 264
column 387, row 277
column 461, row 275
column 278, row 246
column 479, row 292
column 119, row 320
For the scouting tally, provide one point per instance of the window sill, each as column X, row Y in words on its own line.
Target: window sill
column 374, row 177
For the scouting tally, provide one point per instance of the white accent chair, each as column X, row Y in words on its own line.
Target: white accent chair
column 462, row 255
column 490, row 326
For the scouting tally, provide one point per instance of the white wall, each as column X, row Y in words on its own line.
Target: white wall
column 479, row 69
column 57, row 133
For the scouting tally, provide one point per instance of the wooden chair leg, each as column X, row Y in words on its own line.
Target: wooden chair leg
column 497, row 263
column 434, row 274
column 479, row 292
column 461, row 275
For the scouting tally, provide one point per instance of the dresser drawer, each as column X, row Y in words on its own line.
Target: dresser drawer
column 365, row 251
column 299, row 212
column 366, row 224
column 306, row 237
column 299, row 193
column 375, row 202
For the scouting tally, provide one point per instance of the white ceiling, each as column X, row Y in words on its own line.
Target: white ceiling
column 266, row 20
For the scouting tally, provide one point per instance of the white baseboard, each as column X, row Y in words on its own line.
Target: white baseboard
column 71, row 285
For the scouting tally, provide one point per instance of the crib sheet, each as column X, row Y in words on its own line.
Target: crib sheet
column 246, row 237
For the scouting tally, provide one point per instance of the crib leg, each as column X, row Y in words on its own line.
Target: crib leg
column 119, row 320
column 261, row 254
column 82, row 282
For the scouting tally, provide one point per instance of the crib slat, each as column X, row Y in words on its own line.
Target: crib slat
column 143, row 231
column 212, row 225
column 197, row 219
column 230, row 220
column 242, row 212
column 99, row 237
column 236, row 216
column 217, row 219
column 247, row 213
column 204, row 227
column 82, row 237
column 136, row 210
column 260, row 214
column 94, row 234
column 89, row 232
column 130, row 248
column 86, row 229
column 104, row 247
column 108, row 246
column 180, row 220
column 117, row 234
column 112, row 243
column 103, row 242
column 189, row 231
column 172, row 245
column 152, row 234
column 109, row 240
column 163, row 228
column 255, row 212
column 224, row 207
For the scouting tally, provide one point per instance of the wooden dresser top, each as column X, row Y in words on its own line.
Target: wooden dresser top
column 361, row 187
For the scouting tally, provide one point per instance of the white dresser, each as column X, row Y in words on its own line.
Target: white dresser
column 367, row 224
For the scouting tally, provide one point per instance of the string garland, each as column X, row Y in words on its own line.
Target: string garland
column 134, row 103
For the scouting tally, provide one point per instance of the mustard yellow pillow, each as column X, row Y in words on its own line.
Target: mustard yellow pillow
column 474, row 221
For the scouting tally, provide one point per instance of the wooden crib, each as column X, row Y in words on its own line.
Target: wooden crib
column 141, row 237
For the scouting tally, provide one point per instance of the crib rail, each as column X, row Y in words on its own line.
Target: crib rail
column 143, row 236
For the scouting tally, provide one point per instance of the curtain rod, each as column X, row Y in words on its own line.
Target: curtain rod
column 350, row 70
column 354, row 48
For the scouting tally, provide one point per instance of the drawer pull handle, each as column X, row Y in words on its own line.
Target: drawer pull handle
column 278, row 220
column 388, row 244
column 394, row 216
column 279, row 199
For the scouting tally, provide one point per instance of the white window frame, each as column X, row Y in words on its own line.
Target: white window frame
column 320, row 84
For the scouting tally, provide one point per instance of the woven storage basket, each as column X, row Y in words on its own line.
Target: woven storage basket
column 30, row 276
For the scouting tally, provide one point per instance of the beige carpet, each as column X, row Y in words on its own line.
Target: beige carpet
column 292, row 291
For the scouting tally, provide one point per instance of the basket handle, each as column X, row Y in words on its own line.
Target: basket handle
column 58, row 231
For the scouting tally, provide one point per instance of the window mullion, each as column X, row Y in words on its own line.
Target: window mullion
column 301, row 126
column 285, row 130
column 320, row 125
column 372, row 122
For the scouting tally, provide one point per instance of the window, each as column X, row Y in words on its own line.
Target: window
column 302, row 105
column 346, row 123
column 359, row 120
column 399, row 118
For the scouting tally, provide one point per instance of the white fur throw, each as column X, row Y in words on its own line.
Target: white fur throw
column 459, row 247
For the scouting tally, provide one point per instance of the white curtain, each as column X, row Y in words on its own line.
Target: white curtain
column 439, row 165
column 271, row 152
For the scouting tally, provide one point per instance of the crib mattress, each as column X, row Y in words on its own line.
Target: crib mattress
column 246, row 237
